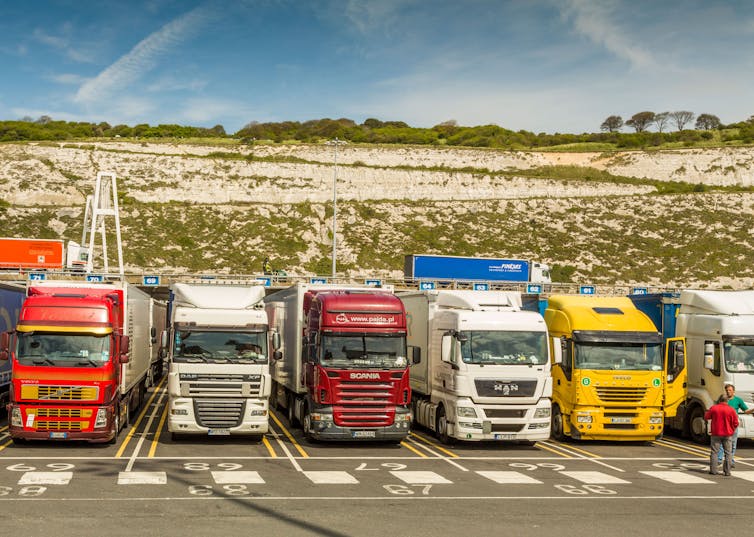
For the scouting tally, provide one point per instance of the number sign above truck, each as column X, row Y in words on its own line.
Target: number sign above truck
column 442, row 267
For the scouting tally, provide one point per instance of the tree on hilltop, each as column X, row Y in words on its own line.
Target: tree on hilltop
column 612, row 124
column 707, row 122
column 641, row 121
column 661, row 121
column 681, row 118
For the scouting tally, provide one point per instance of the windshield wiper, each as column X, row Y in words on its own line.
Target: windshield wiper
column 43, row 361
column 88, row 362
column 193, row 357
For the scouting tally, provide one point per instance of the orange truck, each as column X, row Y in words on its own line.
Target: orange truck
column 41, row 254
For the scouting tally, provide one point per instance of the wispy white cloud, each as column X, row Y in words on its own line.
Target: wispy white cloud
column 143, row 57
column 595, row 20
column 63, row 44
column 67, row 78
column 368, row 16
column 171, row 83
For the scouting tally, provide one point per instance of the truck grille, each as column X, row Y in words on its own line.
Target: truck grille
column 505, row 413
column 621, row 394
column 64, row 412
column 50, row 425
column 361, row 404
column 59, row 393
column 224, row 385
column 505, row 387
column 219, row 413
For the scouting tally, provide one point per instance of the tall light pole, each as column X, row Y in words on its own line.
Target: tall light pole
column 335, row 143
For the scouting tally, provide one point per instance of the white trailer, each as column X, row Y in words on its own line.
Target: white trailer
column 219, row 377
column 719, row 331
column 484, row 368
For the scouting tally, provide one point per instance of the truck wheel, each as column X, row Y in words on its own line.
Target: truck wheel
column 17, row 441
column 442, row 427
column 697, row 426
column 292, row 421
column 556, row 426
column 307, row 425
column 114, row 439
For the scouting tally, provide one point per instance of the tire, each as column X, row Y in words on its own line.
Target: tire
column 556, row 425
column 176, row 437
column 697, row 426
column 18, row 441
column 307, row 425
column 117, row 428
column 441, row 427
column 292, row 421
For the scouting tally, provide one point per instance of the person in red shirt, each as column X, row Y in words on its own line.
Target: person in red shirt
column 724, row 422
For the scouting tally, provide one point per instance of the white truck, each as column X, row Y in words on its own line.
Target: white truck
column 219, row 373
column 719, row 331
column 484, row 370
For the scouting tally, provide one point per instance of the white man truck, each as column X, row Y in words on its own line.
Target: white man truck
column 719, row 331
column 483, row 370
column 219, row 377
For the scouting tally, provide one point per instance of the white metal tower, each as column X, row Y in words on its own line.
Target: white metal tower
column 104, row 202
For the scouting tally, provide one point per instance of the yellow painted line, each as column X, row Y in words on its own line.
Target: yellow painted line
column 157, row 433
column 269, row 447
column 9, row 442
column 434, row 445
column 698, row 453
column 578, row 450
column 411, row 448
column 3, row 428
column 290, row 436
column 547, row 448
column 138, row 421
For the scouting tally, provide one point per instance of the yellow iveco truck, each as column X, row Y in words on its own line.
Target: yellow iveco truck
column 614, row 377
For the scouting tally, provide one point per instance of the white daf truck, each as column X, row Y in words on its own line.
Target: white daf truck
column 484, row 370
column 219, row 373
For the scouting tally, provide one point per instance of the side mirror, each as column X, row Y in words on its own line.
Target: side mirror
column 4, row 345
column 164, row 339
column 125, row 343
column 709, row 356
column 445, row 346
column 557, row 350
column 416, row 355
column 276, row 340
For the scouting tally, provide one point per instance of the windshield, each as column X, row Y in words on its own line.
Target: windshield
column 216, row 346
column 503, row 348
column 364, row 351
column 63, row 349
column 619, row 356
column 739, row 357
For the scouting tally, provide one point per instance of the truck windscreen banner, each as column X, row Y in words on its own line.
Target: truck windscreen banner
column 461, row 268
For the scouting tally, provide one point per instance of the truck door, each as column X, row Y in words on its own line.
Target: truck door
column 676, row 375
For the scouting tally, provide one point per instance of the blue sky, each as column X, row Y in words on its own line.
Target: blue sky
column 539, row 65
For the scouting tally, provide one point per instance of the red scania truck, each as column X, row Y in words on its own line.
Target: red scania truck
column 342, row 369
column 80, row 357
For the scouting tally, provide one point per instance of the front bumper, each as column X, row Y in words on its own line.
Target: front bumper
column 60, row 423
column 184, row 417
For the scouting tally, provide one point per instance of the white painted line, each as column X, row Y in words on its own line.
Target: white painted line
column 595, row 478
column 678, row 478
column 509, row 478
column 237, row 477
column 748, row 475
column 142, row 478
column 45, row 478
column 420, row 477
column 331, row 478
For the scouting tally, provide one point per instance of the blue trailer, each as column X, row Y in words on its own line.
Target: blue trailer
column 661, row 308
column 11, row 298
column 447, row 267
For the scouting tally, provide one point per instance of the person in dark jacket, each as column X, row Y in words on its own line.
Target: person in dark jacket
column 724, row 423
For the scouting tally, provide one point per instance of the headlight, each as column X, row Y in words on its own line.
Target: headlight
column 470, row 425
column 318, row 416
column 101, row 419
column 15, row 417
column 465, row 412
column 258, row 413
column 655, row 419
column 584, row 418
column 179, row 412
column 188, row 376
column 542, row 413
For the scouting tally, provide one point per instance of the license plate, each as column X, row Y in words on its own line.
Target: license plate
column 59, row 435
column 363, row 434
column 620, row 420
column 505, row 436
column 219, row 432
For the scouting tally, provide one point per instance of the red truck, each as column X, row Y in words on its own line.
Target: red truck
column 41, row 254
column 341, row 369
column 80, row 355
